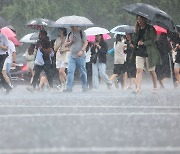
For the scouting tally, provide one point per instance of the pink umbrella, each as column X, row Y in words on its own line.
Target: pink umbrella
column 15, row 41
column 91, row 38
column 8, row 32
column 160, row 30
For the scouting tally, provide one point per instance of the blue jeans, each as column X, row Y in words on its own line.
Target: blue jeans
column 99, row 69
column 81, row 64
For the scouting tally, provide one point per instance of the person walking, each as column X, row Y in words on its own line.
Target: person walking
column 77, row 41
column 10, row 61
column 98, row 59
column 3, row 55
column 30, row 56
column 62, row 54
column 119, row 61
column 147, row 55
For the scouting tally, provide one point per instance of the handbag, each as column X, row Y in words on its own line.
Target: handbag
column 93, row 58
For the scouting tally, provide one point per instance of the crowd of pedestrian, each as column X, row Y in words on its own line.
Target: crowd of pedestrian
column 134, row 53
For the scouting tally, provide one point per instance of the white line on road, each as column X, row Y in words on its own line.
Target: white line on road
column 89, row 114
column 90, row 149
column 57, row 106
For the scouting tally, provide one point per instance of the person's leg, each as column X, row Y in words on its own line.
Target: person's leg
column 140, row 63
column 103, row 75
column 2, row 79
column 4, row 72
column 125, row 81
column 95, row 76
column 37, row 71
column 113, row 77
column 177, row 75
column 63, row 77
column 71, row 71
column 6, row 77
column 8, row 68
column 153, row 75
column 81, row 64
column 47, row 70
column 154, row 79
column 132, row 81
column 89, row 74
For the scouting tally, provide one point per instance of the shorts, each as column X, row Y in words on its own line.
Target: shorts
column 61, row 64
column 142, row 62
column 7, row 67
column 177, row 65
column 119, row 69
column 30, row 65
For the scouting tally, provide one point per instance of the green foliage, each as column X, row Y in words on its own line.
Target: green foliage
column 104, row 13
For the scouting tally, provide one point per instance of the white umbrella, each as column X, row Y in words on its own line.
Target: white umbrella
column 73, row 21
column 96, row 31
column 27, row 39
column 123, row 29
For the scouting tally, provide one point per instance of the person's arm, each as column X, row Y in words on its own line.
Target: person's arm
column 5, row 48
column 56, row 46
column 5, row 45
column 81, row 52
column 68, row 42
column 102, row 48
column 14, row 59
column 151, row 39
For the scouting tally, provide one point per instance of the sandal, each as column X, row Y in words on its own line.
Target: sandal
column 137, row 91
column 155, row 90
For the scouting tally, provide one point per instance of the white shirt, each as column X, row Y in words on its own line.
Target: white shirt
column 3, row 42
column 11, row 49
column 119, row 55
column 88, row 55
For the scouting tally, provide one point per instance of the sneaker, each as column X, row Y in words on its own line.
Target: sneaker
column 31, row 89
column 116, row 84
column 58, row 87
column 8, row 89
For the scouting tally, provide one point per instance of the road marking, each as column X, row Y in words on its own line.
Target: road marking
column 91, row 149
column 57, row 106
column 89, row 114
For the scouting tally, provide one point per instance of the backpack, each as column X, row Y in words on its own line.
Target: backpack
column 81, row 34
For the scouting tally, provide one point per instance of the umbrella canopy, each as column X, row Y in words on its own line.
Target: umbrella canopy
column 178, row 28
column 122, row 29
column 8, row 32
column 159, row 30
column 91, row 38
column 15, row 41
column 39, row 23
column 73, row 21
column 96, row 31
column 26, row 39
column 3, row 22
column 35, row 36
column 154, row 15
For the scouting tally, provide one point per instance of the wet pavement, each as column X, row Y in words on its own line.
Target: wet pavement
column 101, row 121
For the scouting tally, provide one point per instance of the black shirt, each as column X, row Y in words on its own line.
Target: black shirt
column 141, row 49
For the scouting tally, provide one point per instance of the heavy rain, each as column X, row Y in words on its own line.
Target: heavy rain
column 89, row 77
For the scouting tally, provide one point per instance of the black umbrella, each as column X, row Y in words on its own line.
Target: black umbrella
column 154, row 15
column 39, row 23
column 3, row 22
